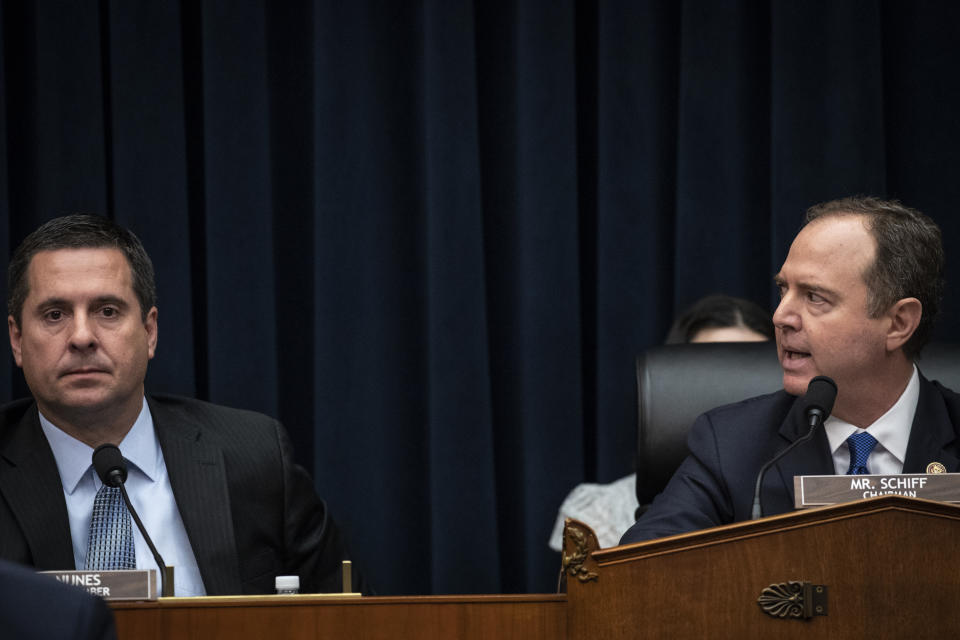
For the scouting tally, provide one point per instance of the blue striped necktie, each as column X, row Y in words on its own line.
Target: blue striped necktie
column 860, row 446
column 110, row 543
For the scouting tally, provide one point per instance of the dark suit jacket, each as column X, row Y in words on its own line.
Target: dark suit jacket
column 250, row 513
column 35, row 606
column 728, row 445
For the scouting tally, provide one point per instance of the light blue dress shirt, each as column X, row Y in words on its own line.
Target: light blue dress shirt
column 148, row 486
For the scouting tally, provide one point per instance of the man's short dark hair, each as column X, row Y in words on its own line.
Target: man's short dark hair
column 80, row 231
column 909, row 259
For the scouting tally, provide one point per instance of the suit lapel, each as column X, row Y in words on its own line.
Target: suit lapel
column 30, row 484
column 931, row 433
column 199, row 481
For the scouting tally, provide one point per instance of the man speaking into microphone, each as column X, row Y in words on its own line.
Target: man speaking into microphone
column 859, row 291
column 216, row 488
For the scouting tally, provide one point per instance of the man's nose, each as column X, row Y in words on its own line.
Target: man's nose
column 785, row 315
column 83, row 335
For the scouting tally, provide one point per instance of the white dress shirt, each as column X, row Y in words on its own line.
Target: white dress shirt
column 148, row 486
column 892, row 431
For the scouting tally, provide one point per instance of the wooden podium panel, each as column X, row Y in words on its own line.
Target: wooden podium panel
column 889, row 565
column 522, row 617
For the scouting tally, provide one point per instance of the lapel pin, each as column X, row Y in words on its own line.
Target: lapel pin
column 936, row 467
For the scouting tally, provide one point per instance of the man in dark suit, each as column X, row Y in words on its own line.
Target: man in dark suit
column 38, row 607
column 859, row 292
column 219, row 485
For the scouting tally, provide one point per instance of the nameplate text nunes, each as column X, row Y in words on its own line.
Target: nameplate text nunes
column 112, row 585
column 817, row 491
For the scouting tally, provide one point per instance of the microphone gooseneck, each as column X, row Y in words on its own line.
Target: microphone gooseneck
column 112, row 469
column 819, row 398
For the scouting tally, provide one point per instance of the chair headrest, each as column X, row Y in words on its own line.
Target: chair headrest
column 676, row 383
column 940, row 361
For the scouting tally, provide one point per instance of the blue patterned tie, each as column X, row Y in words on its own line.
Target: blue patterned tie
column 110, row 543
column 860, row 445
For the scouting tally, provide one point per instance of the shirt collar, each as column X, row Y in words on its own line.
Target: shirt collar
column 892, row 429
column 140, row 448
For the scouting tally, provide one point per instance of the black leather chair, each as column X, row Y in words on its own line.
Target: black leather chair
column 676, row 383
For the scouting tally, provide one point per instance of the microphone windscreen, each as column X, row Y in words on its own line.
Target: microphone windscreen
column 107, row 459
column 821, row 394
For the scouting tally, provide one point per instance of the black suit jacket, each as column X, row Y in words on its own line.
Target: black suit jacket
column 250, row 513
column 35, row 606
column 728, row 445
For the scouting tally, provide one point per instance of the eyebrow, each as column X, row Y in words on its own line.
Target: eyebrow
column 806, row 286
column 114, row 300
column 99, row 301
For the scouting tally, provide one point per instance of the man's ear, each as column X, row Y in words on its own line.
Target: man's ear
column 904, row 317
column 14, row 340
column 150, row 324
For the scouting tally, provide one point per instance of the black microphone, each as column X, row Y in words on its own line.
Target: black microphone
column 112, row 469
column 819, row 398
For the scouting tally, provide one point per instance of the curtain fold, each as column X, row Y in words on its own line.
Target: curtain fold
column 431, row 237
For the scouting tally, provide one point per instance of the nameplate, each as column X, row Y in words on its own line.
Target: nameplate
column 817, row 491
column 112, row 585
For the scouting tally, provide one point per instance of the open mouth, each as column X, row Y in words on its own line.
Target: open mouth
column 795, row 361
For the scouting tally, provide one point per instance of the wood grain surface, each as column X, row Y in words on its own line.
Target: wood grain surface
column 523, row 617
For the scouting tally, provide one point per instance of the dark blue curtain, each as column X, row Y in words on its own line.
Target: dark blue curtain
column 431, row 236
